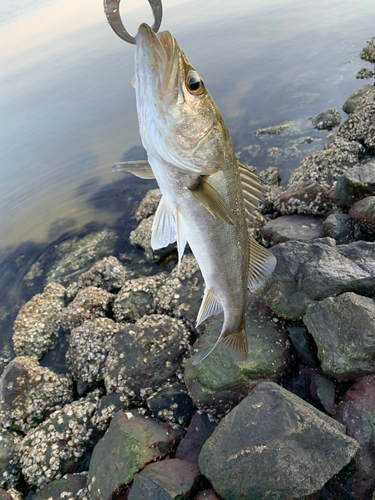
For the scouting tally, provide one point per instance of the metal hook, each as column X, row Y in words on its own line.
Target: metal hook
column 112, row 11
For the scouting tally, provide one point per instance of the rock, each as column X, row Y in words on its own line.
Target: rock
column 327, row 120
column 323, row 393
column 37, row 323
column 368, row 52
column 364, row 73
column 292, row 227
column 171, row 479
column 220, row 381
column 292, row 449
column 89, row 303
column 343, row 329
column 131, row 442
column 356, row 413
column 29, row 393
column 70, row 486
column 109, row 405
column 89, row 345
column 4, row 495
column 172, row 404
column 148, row 205
column 108, row 274
column 304, row 198
column 340, row 227
column 59, row 445
column 351, row 103
column 270, row 176
column 303, row 344
column 326, row 165
column 363, row 211
column 275, row 129
column 141, row 238
column 181, row 294
column 354, row 184
column 300, row 385
column 207, row 495
column 307, row 272
column 9, row 462
column 136, row 298
column 145, row 355
column 199, row 430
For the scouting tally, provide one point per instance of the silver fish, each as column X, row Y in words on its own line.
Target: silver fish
column 207, row 195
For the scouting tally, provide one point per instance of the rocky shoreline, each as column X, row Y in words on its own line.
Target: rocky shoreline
column 132, row 418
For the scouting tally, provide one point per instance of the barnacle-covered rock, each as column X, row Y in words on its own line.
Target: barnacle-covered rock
column 148, row 205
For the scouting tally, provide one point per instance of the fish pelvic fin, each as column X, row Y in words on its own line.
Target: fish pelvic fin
column 163, row 227
column 235, row 342
column 210, row 306
column 181, row 235
column 213, row 201
column 260, row 266
column 139, row 168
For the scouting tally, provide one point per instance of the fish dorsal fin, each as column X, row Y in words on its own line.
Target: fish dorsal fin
column 252, row 189
column 139, row 168
column 213, row 201
column 181, row 235
column 209, row 307
column 163, row 227
column 236, row 343
column 261, row 265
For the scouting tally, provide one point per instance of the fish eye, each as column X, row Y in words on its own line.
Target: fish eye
column 194, row 83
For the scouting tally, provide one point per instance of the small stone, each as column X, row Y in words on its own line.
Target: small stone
column 327, row 120
column 363, row 211
column 323, row 393
column 364, row 73
column 148, row 205
column 303, row 344
column 292, row 227
column 172, row 404
column 199, row 430
column 340, row 227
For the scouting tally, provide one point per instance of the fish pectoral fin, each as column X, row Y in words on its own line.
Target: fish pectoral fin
column 163, row 227
column 203, row 354
column 181, row 235
column 260, row 266
column 140, row 168
column 236, row 343
column 213, row 201
column 210, row 306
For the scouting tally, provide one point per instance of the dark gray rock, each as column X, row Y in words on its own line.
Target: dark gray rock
column 291, row 451
column 292, row 227
column 70, row 486
column 131, row 442
column 360, row 125
column 351, row 103
column 323, row 393
column 364, row 212
column 145, row 355
column 9, row 462
column 343, row 329
column 199, row 430
column 355, row 184
column 171, row 479
column 172, row 404
column 207, row 495
column 309, row 272
column 364, row 73
column 303, row 344
column 327, row 120
column 304, row 198
column 340, row 227
column 368, row 52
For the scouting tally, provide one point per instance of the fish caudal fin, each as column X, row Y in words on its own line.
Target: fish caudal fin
column 235, row 342
column 163, row 227
column 261, row 265
column 209, row 307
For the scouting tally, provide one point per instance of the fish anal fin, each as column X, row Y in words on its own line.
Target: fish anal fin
column 260, row 266
column 163, row 227
column 213, row 201
column 181, row 235
column 139, row 168
column 209, row 307
column 236, row 343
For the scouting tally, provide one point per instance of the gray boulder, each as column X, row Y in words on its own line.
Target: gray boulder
column 364, row 73
column 304, row 198
column 368, row 52
column 327, row 119
column 363, row 211
column 340, row 227
column 291, row 451
column 292, row 227
column 354, row 184
column 351, row 103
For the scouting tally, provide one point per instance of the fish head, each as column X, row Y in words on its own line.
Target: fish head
column 178, row 119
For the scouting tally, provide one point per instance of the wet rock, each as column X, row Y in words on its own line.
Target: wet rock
column 207, row 495
column 141, row 238
column 303, row 345
column 343, row 329
column 300, row 385
column 356, row 412
column 171, row 479
column 368, row 52
column 69, row 487
column 291, row 451
column 364, row 73
column 60, row 444
column 131, row 442
column 148, row 205
column 109, row 405
column 326, row 165
column 307, row 272
column 304, row 198
column 292, row 227
column 136, row 298
column 89, row 345
column 327, row 120
column 172, row 404
column 270, row 176
column 9, row 462
column 323, row 393
column 182, row 293
column 354, row 184
column 275, row 129
column 363, row 211
column 37, row 323
column 220, row 381
column 340, row 227
column 108, row 274
column 29, row 393
column 199, row 430
column 89, row 303
column 351, row 103
column 145, row 355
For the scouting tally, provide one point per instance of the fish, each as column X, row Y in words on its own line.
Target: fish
column 208, row 196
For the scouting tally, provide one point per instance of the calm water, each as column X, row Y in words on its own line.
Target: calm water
column 68, row 110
